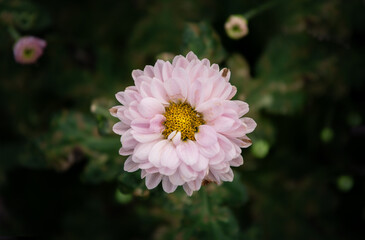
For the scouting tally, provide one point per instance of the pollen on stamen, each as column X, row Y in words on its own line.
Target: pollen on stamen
column 181, row 117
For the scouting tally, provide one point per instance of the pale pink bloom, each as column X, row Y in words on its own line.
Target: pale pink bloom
column 28, row 49
column 179, row 125
column 236, row 26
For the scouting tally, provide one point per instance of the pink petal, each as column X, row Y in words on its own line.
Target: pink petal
column 167, row 71
column 149, row 107
column 169, row 157
column 120, row 97
column 238, row 150
column 222, row 167
column 206, row 135
column 251, row 124
column 228, row 176
column 130, row 166
column 120, row 114
column 138, row 160
column 215, row 67
column 166, row 171
column 206, row 62
column 188, row 152
column 158, row 91
column 191, row 56
column 132, row 112
column 156, row 123
column 125, row 151
column 206, row 91
column 168, row 186
column 148, row 167
column 210, row 151
column 180, row 74
column 141, row 125
column 201, row 164
column 194, row 93
column 228, row 91
column 218, row 158
column 143, row 173
column 143, row 79
column 153, row 180
column 230, row 113
column 177, row 88
column 157, row 69
column 180, row 61
column 195, row 185
column 155, row 155
column 177, row 138
column 232, row 93
column 176, row 179
column 245, row 142
column 172, row 135
column 187, row 189
column 211, row 109
column 148, row 71
column 195, row 71
column 145, row 89
column 137, row 73
column 242, row 141
column 236, row 162
column 128, row 140
column 132, row 94
column 222, row 124
column 213, row 178
column 142, row 150
column 227, row 146
column 218, row 89
column 187, row 173
column 238, row 130
column 120, row 128
column 145, row 138
column 223, row 90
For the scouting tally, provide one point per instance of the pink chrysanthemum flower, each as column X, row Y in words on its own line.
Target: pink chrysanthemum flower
column 27, row 50
column 180, row 126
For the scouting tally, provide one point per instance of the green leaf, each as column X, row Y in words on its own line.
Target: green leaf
column 203, row 41
column 25, row 15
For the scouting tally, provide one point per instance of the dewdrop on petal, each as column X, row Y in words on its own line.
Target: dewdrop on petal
column 179, row 126
column 236, row 26
column 28, row 50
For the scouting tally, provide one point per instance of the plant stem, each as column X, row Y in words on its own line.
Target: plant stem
column 260, row 9
column 13, row 33
column 206, row 204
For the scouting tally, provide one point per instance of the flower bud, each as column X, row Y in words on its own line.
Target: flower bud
column 28, row 49
column 236, row 26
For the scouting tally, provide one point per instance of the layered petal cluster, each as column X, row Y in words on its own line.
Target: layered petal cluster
column 28, row 49
column 179, row 125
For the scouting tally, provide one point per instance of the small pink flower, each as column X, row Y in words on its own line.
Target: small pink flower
column 27, row 50
column 236, row 26
column 179, row 125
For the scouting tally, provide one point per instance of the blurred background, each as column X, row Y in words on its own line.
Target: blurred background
column 300, row 68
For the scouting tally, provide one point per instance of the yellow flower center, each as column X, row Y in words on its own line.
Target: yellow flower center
column 181, row 117
column 28, row 52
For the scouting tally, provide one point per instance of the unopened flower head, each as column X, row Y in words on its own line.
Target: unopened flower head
column 179, row 125
column 28, row 49
column 236, row 26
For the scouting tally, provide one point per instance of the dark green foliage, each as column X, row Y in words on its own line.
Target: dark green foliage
column 300, row 68
column 203, row 41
